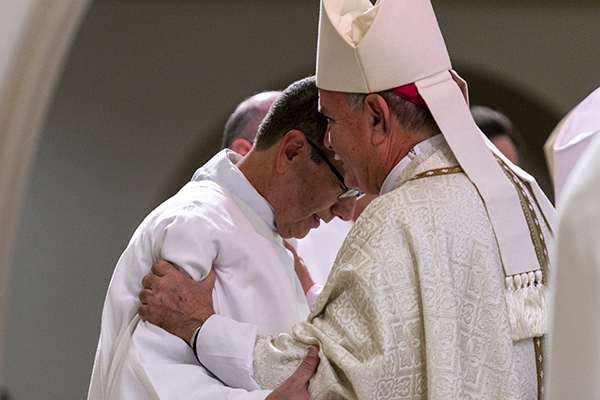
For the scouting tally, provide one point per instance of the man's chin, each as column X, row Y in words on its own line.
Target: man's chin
column 301, row 229
column 300, row 232
column 294, row 233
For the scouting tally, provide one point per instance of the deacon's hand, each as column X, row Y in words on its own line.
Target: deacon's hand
column 300, row 268
column 175, row 302
column 296, row 386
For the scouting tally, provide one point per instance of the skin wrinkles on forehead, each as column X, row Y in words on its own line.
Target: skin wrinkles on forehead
column 338, row 111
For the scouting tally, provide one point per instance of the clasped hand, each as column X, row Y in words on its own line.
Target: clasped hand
column 175, row 302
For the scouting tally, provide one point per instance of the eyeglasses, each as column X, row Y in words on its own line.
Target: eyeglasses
column 348, row 192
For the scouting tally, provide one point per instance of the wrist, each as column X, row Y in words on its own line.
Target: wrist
column 192, row 342
column 193, row 326
column 307, row 283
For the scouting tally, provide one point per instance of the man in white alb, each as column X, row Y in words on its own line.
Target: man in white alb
column 230, row 218
column 439, row 289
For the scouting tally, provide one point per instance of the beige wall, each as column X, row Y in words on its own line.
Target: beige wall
column 34, row 40
column 141, row 103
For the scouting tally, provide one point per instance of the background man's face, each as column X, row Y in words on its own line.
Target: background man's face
column 505, row 144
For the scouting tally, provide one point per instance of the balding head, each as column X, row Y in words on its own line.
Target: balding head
column 245, row 120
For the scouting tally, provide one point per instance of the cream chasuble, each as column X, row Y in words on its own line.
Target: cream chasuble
column 415, row 306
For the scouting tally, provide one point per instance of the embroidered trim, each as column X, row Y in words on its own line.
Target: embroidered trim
column 532, row 280
column 535, row 231
column 541, row 248
column 437, row 172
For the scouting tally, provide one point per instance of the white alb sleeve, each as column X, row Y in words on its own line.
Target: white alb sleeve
column 226, row 348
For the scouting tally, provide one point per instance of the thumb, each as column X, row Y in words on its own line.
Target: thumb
column 161, row 267
column 309, row 365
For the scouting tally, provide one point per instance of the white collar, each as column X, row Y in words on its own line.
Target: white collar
column 222, row 170
column 390, row 180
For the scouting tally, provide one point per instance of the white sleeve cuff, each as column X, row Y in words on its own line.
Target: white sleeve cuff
column 226, row 348
column 312, row 294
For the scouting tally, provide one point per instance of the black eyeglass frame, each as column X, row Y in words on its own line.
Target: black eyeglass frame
column 348, row 192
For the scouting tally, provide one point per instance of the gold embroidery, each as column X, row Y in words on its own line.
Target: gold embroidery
column 542, row 254
column 537, row 239
column 439, row 171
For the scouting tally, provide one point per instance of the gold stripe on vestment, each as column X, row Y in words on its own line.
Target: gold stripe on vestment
column 438, row 171
column 537, row 238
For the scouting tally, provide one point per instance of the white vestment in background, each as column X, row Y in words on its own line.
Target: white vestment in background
column 218, row 221
column 414, row 307
column 319, row 248
column 575, row 329
column 571, row 138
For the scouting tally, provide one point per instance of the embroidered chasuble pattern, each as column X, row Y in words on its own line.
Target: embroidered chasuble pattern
column 415, row 306
column 537, row 238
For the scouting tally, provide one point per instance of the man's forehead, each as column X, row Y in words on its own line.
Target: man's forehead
column 329, row 99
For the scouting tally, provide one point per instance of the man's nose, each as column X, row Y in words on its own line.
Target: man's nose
column 344, row 209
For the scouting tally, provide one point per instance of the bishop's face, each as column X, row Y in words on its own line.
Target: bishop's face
column 348, row 135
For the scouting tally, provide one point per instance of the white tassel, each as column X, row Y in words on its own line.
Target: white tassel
column 527, row 302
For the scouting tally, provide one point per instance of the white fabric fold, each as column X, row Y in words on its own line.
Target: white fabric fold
column 204, row 226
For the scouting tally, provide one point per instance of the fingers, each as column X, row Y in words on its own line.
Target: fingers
column 162, row 267
column 289, row 247
column 148, row 281
column 142, row 312
column 144, row 295
column 293, row 251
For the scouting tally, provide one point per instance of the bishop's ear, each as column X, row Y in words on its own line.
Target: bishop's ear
column 378, row 114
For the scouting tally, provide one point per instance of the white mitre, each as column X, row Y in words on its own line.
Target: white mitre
column 364, row 49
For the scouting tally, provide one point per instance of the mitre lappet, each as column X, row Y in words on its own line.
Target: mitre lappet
column 366, row 48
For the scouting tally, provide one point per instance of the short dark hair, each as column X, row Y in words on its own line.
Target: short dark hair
column 297, row 108
column 243, row 123
column 410, row 115
column 493, row 124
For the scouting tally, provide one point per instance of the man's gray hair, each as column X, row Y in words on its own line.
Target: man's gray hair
column 411, row 116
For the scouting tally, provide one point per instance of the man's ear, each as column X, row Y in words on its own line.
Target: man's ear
column 241, row 146
column 378, row 113
column 292, row 146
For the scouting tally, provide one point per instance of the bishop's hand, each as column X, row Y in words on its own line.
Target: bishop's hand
column 176, row 302
column 296, row 386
